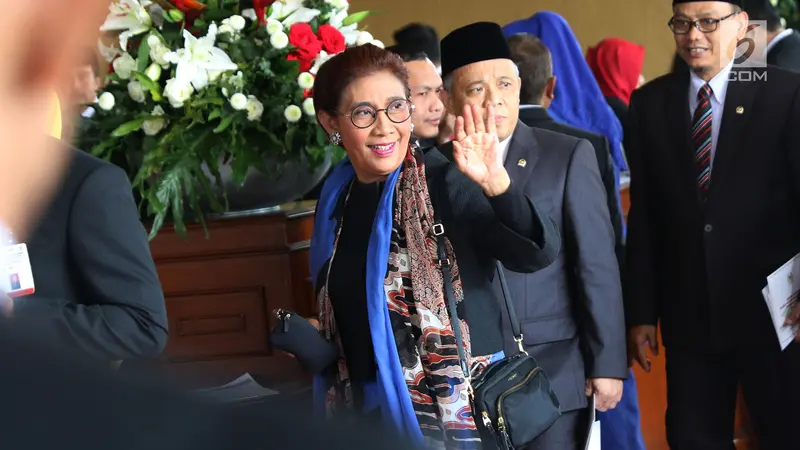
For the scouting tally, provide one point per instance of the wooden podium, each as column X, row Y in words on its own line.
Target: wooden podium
column 220, row 293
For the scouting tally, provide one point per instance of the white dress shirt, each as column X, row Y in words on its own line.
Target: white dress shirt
column 504, row 148
column 719, row 87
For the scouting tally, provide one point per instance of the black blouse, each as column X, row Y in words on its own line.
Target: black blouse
column 347, row 283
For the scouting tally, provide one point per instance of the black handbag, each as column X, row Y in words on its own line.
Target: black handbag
column 511, row 399
column 294, row 334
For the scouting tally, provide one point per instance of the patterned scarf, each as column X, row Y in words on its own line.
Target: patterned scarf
column 420, row 324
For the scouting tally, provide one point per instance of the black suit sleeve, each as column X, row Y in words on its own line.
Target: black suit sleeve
column 641, row 259
column 122, row 314
column 615, row 211
column 506, row 227
column 590, row 248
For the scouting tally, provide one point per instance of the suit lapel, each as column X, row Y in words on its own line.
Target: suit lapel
column 523, row 154
column 738, row 104
column 679, row 131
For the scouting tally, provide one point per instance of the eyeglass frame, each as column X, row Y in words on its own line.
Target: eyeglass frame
column 385, row 110
column 696, row 23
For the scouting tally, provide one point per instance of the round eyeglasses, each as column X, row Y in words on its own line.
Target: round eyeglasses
column 363, row 116
column 704, row 25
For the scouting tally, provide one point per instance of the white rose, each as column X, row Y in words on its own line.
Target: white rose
column 177, row 93
column 305, row 80
column 153, row 72
column 106, row 101
column 279, row 40
column 238, row 101
column 364, row 37
column 273, row 26
column 226, row 29
column 377, row 43
column 292, row 113
column 249, row 13
column 124, row 65
column 152, row 127
column 254, row 108
column 236, row 22
column 136, row 91
column 308, row 107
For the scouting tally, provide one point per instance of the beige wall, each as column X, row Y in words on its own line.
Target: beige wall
column 640, row 21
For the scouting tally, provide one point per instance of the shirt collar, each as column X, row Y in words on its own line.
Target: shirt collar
column 718, row 84
column 504, row 148
column 779, row 37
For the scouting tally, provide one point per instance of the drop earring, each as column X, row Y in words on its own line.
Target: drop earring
column 335, row 138
column 412, row 129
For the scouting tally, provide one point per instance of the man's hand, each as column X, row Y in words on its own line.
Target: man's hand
column 607, row 392
column 639, row 338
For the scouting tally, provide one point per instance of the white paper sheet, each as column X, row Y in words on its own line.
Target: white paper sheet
column 593, row 441
column 780, row 295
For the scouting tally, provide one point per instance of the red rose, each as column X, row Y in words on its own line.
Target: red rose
column 305, row 65
column 303, row 38
column 332, row 39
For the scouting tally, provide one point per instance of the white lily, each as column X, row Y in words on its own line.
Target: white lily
column 128, row 16
column 108, row 53
column 319, row 61
column 350, row 32
column 198, row 57
column 301, row 15
column 282, row 8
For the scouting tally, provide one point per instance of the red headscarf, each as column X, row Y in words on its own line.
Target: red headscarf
column 616, row 64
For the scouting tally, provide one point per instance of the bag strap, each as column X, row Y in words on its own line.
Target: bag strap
column 443, row 262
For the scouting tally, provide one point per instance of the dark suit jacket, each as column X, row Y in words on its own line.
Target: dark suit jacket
column 699, row 268
column 96, row 285
column 571, row 311
column 479, row 238
column 786, row 53
column 540, row 118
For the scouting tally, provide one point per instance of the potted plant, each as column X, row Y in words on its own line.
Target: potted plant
column 202, row 90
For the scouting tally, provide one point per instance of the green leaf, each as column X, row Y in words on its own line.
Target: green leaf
column 214, row 114
column 143, row 55
column 128, row 127
column 226, row 122
column 289, row 138
column 321, row 137
column 355, row 18
column 113, row 77
column 212, row 4
column 150, row 85
column 216, row 15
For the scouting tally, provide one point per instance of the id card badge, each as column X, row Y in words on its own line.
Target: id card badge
column 18, row 277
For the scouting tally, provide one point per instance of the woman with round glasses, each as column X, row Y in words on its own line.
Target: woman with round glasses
column 374, row 253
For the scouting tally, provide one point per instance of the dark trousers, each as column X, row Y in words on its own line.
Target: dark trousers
column 701, row 396
column 569, row 432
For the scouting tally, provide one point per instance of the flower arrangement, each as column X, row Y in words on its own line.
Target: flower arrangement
column 198, row 83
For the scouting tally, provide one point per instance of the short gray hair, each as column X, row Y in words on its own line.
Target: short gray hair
column 447, row 82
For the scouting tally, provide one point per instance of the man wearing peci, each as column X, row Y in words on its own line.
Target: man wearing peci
column 571, row 311
column 715, row 186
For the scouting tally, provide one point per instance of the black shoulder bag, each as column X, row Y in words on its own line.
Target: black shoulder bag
column 512, row 398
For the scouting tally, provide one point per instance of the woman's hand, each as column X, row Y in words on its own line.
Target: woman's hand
column 476, row 151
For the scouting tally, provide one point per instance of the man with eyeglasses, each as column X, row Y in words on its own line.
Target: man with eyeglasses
column 714, row 153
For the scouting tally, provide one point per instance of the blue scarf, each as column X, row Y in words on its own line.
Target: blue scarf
column 579, row 102
column 390, row 392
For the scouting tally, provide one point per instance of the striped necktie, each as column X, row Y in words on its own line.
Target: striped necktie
column 701, row 137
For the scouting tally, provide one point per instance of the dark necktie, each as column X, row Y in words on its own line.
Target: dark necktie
column 701, row 137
